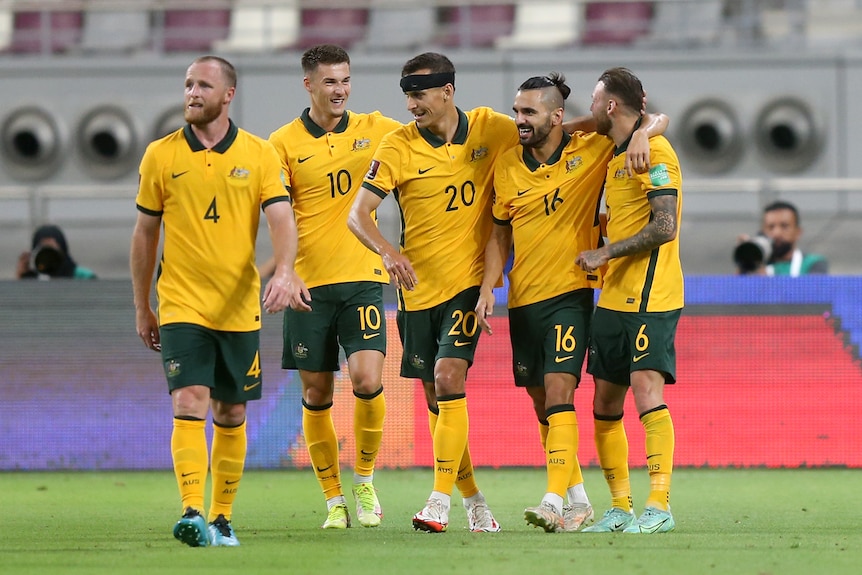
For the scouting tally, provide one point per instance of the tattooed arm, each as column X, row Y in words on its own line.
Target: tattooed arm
column 660, row 230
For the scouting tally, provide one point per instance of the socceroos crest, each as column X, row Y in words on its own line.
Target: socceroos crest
column 478, row 154
column 417, row 361
column 238, row 173
column 172, row 368
column 574, row 164
column 362, row 144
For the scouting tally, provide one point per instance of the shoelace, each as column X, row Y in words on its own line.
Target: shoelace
column 436, row 507
column 222, row 525
column 365, row 493
column 479, row 514
column 338, row 511
column 548, row 507
column 190, row 513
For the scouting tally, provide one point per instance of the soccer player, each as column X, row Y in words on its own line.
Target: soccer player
column 440, row 167
column 208, row 182
column 325, row 153
column 633, row 330
column 547, row 195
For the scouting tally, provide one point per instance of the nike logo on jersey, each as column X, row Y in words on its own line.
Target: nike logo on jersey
column 522, row 192
column 363, row 452
column 445, row 460
column 250, row 387
column 637, row 358
column 301, row 160
column 187, row 474
column 322, row 469
column 426, row 170
column 228, row 482
column 558, row 359
column 174, row 176
column 462, row 343
column 556, row 450
column 369, row 335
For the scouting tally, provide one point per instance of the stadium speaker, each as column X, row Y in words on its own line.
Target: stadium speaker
column 710, row 136
column 171, row 120
column 107, row 139
column 32, row 144
column 787, row 135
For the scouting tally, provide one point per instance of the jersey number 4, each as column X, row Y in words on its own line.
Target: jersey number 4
column 212, row 212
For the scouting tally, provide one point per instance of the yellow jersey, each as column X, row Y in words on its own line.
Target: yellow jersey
column 210, row 202
column 553, row 209
column 324, row 170
column 648, row 281
column 444, row 192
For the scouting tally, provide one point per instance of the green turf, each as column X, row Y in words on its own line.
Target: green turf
column 728, row 522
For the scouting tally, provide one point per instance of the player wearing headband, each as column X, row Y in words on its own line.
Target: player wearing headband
column 440, row 168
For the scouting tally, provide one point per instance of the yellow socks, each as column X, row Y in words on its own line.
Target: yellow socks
column 613, row 449
column 561, row 447
column 543, row 434
column 466, row 480
column 228, row 459
column 368, row 414
column 577, row 476
column 322, row 445
column 659, row 450
column 450, row 441
column 191, row 461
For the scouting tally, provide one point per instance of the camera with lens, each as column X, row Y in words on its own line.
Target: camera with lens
column 46, row 260
column 752, row 254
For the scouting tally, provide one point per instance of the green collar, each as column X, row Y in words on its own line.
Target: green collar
column 533, row 164
column 221, row 147
column 460, row 134
column 625, row 145
column 316, row 130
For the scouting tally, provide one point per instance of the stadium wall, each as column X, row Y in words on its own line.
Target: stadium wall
column 86, row 121
column 769, row 375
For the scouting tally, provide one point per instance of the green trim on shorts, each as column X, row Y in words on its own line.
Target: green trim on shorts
column 550, row 336
column 227, row 362
column 348, row 316
column 623, row 342
column 450, row 329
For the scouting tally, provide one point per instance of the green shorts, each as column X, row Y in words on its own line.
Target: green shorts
column 550, row 336
column 228, row 362
column 623, row 342
column 347, row 314
column 449, row 329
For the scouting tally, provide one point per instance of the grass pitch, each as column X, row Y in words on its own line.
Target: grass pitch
column 736, row 522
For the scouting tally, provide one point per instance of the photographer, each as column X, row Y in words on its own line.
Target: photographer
column 774, row 250
column 49, row 258
column 752, row 254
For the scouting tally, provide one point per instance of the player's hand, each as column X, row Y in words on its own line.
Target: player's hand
column 400, row 270
column 484, row 308
column 286, row 290
column 591, row 260
column 637, row 154
column 299, row 298
column 147, row 326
